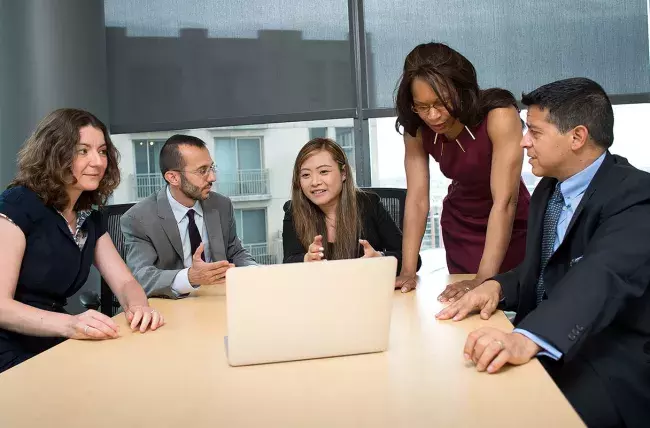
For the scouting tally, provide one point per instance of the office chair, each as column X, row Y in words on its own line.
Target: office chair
column 106, row 302
column 393, row 199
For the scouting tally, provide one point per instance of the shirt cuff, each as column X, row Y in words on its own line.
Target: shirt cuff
column 548, row 350
column 181, row 284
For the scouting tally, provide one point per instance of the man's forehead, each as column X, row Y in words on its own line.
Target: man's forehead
column 536, row 114
column 195, row 155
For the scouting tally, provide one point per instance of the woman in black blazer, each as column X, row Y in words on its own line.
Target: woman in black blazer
column 51, row 235
column 328, row 217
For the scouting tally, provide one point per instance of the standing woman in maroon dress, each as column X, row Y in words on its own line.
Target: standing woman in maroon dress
column 474, row 135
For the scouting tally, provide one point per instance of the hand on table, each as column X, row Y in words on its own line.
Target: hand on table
column 484, row 298
column 490, row 349
column 406, row 282
column 458, row 289
column 91, row 325
column 145, row 317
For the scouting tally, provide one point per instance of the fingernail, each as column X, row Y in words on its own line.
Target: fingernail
column 321, row 249
column 321, row 254
column 490, row 369
column 403, row 289
column 456, row 318
column 466, row 356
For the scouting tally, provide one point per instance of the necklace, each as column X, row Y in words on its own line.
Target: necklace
column 442, row 145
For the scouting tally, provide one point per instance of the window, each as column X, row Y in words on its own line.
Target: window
column 506, row 56
column 317, row 133
column 249, row 59
column 148, row 178
column 387, row 154
column 251, row 229
column 345, row 139
column 266, row 152
column 240, row 167
column 251, row 225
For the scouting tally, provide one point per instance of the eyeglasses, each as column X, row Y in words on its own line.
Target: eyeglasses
column 202, row 172
column 424, row 109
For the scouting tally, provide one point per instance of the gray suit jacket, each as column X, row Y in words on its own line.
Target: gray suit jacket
column 154, row 252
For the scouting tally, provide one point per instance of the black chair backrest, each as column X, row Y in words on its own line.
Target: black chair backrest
column 111, row 215
column 393, row 199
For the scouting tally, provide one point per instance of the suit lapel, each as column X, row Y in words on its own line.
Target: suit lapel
column 168, row 222
column 599, row 179
column 213, row 225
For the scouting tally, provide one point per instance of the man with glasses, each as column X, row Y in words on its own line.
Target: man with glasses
column 183, row 236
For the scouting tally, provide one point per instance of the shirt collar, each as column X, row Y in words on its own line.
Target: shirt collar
column 179, row 210
column 576, row 185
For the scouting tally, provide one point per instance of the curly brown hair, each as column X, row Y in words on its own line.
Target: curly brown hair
column 45, row 160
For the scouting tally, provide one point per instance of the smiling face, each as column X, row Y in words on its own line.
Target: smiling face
column 429, row 107
column 90, row 159
column 321, row 178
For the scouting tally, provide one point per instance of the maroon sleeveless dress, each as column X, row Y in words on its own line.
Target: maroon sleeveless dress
column 466, row 208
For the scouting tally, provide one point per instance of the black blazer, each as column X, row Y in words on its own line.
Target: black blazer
column 53, row 266
column 598, row 308
column 379, row 230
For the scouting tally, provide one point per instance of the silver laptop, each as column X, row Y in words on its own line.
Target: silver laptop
column 300, row 311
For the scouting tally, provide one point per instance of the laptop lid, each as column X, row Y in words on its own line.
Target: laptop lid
column 309, row 310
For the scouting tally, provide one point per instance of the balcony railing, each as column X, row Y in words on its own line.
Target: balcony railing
column 240, row 183
column 245, row 182
column 264, row 254
column 146, row 184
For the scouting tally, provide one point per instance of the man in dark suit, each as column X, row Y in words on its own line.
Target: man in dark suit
column 184, row 235
column 582, row 293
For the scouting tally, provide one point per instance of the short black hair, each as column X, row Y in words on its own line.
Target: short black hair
column 573, row 102
column 170, row 156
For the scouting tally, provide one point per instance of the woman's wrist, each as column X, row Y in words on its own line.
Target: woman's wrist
column 64, row 325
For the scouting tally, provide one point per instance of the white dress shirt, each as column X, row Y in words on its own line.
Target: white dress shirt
column 181, row 284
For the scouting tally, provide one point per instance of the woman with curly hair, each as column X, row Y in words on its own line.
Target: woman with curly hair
column 51, row 235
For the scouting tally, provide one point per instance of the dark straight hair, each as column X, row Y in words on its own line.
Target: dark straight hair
column 573, row 102
column 170, row 154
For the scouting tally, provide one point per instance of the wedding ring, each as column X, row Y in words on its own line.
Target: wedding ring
column 153, row 310
column 467, row 289
column 86, row 330
column 500, row 343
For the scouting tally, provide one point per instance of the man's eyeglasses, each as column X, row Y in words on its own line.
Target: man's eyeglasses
column 202, row 172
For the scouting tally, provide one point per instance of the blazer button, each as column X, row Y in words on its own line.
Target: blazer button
column 572, row 336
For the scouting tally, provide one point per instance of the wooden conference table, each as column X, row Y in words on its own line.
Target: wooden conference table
column 178, row 376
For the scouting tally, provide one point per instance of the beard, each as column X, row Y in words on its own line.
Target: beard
column 192, row 191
